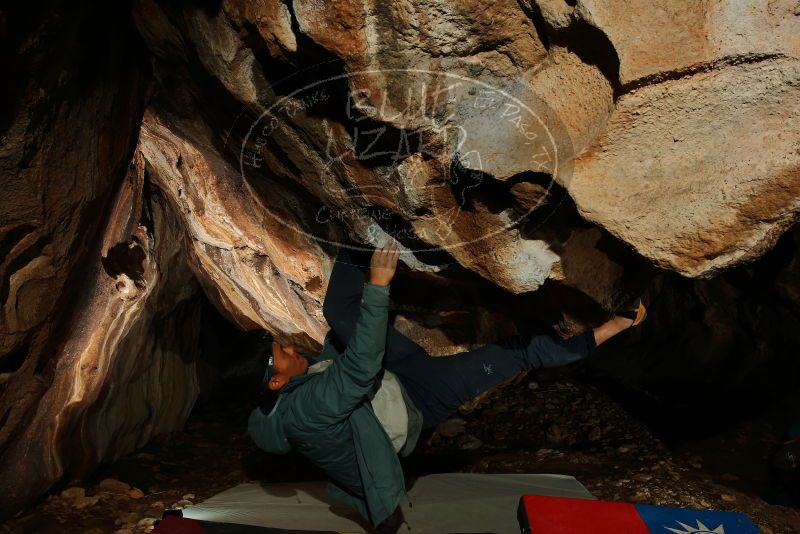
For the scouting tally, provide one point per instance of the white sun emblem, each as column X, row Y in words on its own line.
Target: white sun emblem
column 701, row 529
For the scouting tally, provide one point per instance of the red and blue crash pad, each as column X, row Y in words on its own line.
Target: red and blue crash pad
column 559, row 515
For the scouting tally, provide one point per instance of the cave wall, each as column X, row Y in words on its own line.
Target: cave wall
column 100, row 312
column 681, row 149
column 713, row 352
column 539, row 162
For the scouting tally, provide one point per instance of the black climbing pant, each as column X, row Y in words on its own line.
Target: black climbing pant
column 439, row 385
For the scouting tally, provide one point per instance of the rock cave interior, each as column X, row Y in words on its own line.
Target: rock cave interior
column 178, row 177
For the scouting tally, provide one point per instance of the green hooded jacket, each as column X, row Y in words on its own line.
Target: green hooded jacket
column 326, row 416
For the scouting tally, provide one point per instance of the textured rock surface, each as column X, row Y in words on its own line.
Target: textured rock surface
column 122, row 368
column 709, row 134
column 363, row 174
column 100, row 314
column 259, row 274
column 58, row 175
column 676, row 176
column 537, row 161
column 711, row 72
column 655, row 38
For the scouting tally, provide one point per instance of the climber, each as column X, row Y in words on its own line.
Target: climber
column 366, row 397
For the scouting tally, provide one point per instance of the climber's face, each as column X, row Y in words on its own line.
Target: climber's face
column 287, row 362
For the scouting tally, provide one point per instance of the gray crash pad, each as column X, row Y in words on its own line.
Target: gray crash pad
column 435, row 504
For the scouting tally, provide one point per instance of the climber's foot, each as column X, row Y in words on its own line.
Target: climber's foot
column 634, row 314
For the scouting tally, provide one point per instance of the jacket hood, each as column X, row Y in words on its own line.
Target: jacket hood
column 266, row 420
column 266, row 429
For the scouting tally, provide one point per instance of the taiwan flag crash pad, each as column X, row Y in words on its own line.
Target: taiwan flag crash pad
column 557, row 515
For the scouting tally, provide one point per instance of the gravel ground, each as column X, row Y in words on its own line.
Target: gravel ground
column 553, row 425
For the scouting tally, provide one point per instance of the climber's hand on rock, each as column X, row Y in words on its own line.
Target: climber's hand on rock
column 383, row 264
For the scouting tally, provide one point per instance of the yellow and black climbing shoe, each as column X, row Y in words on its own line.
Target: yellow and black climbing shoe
column 635, row 311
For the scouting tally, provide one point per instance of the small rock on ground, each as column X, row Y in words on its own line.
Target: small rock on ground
column 113, row 485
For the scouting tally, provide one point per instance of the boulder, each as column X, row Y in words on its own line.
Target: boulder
column 663, row 38
column 700, row 173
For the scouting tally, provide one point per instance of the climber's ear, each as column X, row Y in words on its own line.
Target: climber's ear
column 276, row 382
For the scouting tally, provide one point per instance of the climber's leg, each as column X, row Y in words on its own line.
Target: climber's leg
column 611, row 328
column 343, row 301
column 343, row 298
column 439, row 385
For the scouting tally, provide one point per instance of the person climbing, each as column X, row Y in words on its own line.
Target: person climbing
column 371, row 391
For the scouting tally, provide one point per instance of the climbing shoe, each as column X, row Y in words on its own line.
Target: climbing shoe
column 635, row 311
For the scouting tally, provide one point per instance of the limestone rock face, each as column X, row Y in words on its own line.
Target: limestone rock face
column 675, row 175
column 446, row 107
column 410, row 93
column 58, row 176
column 655, row 38
column 100, row 314
column 707, row 107
column 704, row 91
column 260, row 275
column 120, row 366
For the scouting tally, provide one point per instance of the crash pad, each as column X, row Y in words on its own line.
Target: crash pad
column 559, row 515
column 436, row 504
